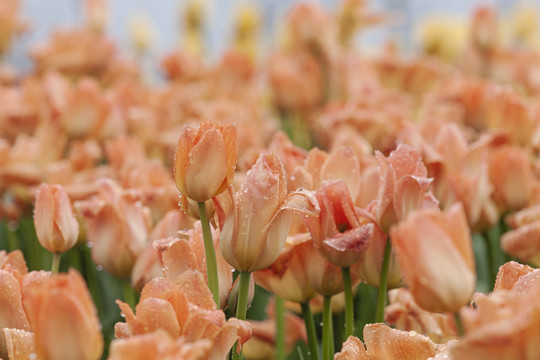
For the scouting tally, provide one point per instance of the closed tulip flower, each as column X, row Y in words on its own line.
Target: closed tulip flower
column 57, row 228
column 205, row 160
column 63, row 318
column 255, row 221
column 434, row 251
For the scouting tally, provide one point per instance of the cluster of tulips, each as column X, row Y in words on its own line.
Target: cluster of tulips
column 361, row 207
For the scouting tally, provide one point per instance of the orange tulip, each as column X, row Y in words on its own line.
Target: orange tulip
column 434, row 252
column 57, row 228
column 255, row 221
column 63, row 318
column 205, row 160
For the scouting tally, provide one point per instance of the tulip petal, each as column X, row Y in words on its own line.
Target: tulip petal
column 19, row 344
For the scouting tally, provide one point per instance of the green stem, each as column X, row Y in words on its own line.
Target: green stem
column 13, row 243
column 241, row 308
column 311, row 333
column 492, row 266
column 129, row 293
column 280, row 328
column 55, row 263
column 209, row 250
column 459, row 324
column 328, row 331
column 349, row 306
column 381, row 298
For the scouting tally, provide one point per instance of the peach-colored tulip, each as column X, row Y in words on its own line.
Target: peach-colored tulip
column 287, row 276
column 57, row 228
column 158, row 345
column 403, row 185
column 512, row 178
column 19, row 344
column 178, row 255
column 117, row 227
column 504, row 324
column 205, row 160
column 255, row 221
column 184, row 309
column 404, row 314
column 509, row 274
column 12, row 314
column 434, row 251
column 325, row 277
column 385, row 343
column 342, row 232
column 63, row 318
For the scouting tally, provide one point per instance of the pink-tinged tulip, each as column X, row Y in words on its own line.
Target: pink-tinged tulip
column 255, row 221
column 63, row 318
column 403, row 186
column 341, row 232
column 434, row 251
column 205, row 160
column 57, row 228
column 287, row 276
column 117, row 227
column 404, row 314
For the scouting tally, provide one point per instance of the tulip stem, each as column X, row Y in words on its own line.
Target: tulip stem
column 280, row 328
column 55, row 266
column 328, row 330
column 311, row 333
column 459, row 324
column 349, row 306
column 381, row 298
column 209, row 250
column 129, row 294
column 492, row 266
column 241, row 308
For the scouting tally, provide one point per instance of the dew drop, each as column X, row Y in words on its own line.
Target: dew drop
column 99, row 268
column 13, row 225
column 413, row 333
column 32, row 356
column 89, row 245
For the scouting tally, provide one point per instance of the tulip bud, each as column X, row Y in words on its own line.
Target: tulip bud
column 56, row 226
column 63, row 318
column 205, row 160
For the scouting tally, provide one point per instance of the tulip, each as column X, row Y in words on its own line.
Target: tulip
column 434, row 252
column 63, row 318
column 287, row 277
column 205, row 160
column 57, row 228
column 255, row 221
column 117, row 228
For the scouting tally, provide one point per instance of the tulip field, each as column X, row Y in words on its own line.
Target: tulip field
column 312, row 201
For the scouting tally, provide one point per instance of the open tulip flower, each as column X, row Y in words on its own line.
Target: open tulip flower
column 255, row 221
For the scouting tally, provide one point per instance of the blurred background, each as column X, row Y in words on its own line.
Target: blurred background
column 164, row 22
